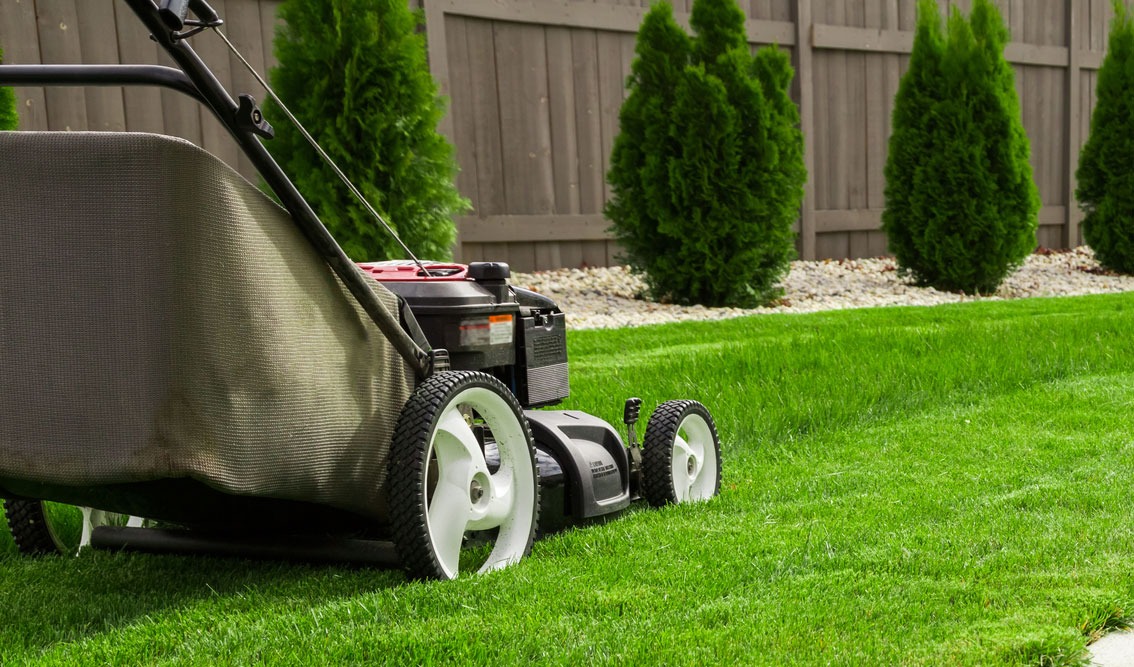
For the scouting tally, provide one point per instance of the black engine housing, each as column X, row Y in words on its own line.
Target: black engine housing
column 487, row 325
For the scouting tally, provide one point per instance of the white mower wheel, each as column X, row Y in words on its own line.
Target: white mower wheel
column 41, row 528
column 681, row 455
column 452, row 508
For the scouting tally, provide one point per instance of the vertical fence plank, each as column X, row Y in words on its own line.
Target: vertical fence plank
column 105, row 108
column 181, row 115
column 805, row 73
column 268, row 25
column 19, row 39
column 460, row 101
column 529, row 177
column 609, row 51
column 564, row 150
column 588, row 128
column 522, row 77
column 1071, row 126
column 588, row 119
column 611, row 94
column 856, row 129
column 485, row 111
column 58, row 22
column 141, row 104
column 892, row 74
column 561, row 101
column 838, row 158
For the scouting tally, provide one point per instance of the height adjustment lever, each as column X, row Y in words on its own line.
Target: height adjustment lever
column 251, row 119
column 630, row 417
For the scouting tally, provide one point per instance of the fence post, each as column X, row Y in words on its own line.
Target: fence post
column 807, row 124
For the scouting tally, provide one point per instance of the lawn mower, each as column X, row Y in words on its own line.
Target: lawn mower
column 199, row 369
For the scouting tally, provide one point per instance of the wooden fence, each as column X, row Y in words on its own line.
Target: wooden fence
column 535, row 87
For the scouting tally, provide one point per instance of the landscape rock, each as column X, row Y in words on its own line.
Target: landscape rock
column 599, row 298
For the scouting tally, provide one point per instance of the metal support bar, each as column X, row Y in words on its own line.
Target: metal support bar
column 309, row 548
column 99, row 75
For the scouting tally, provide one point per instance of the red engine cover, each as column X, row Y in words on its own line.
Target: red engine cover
column 400, row 271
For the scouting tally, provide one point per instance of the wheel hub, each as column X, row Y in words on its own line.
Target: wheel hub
column 476, row 491
column 691, row 465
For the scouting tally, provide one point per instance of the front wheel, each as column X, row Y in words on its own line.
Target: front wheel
column 462, row 486
column 680, row 455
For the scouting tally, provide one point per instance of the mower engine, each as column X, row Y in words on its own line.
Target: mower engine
column 520, row 337
column 487, row 325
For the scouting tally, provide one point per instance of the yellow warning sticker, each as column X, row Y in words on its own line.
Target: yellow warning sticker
column 500, row 329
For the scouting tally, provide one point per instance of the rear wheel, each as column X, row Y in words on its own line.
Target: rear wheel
column 680, row 455
column 40, row 528
column 462, row 487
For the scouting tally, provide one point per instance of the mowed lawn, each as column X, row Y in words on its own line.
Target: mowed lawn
column 947, row 485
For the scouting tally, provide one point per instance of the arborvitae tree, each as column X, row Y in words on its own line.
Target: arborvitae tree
column 961, row 204
column 720, row 28
column 909, row 137
column 707, row 174
column 355, row 73
column 1106, row 173
column 9, row 119
column 643, row 149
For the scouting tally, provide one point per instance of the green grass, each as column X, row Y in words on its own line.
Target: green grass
column 901, row 486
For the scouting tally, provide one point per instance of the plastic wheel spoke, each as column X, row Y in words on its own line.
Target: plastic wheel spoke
column 682, row 480
column 455, row 442
column 458, row 459
column 448, row 519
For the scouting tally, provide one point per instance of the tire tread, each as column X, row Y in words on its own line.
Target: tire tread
column 407, row 468
column 657, row 450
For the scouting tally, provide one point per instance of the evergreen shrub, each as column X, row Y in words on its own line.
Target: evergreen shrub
column 961, row 205
column 1106, row 168
column 355, row 73
column 707, row 171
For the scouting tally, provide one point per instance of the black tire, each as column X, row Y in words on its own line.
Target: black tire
column 437, row 545
column 41, row 528
column 681, row 455
column 31, row 528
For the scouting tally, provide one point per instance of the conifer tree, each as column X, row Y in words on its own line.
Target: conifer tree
column 1106, row 168
column 643, row 148
column 9, row 119
column 961, row 204
column 910, row 138
column 355, row 73
column 707, row 173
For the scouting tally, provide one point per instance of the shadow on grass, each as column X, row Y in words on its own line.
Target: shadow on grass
column 57, row 599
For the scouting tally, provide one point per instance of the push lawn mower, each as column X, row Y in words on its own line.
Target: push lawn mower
column 225, row 371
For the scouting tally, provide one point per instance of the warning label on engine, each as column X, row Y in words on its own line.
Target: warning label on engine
column 491, row 330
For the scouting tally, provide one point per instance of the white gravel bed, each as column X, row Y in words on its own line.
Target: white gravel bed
column 597, row 298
